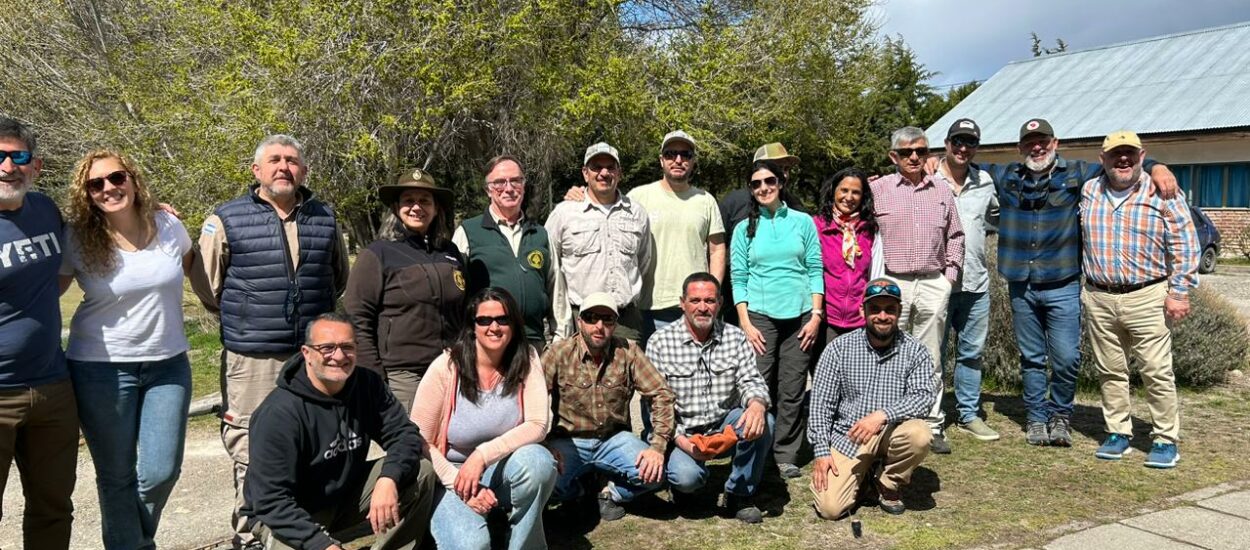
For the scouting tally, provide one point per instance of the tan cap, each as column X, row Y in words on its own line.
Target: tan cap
column 677, row 135
column 599, row 299
column 777, row 153
column 601, row 148
column 1121, row 138
column 413, row 179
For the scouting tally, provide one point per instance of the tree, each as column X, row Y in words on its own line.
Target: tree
column 1039, row 50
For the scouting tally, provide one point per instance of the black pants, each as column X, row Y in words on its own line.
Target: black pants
column 784, row 368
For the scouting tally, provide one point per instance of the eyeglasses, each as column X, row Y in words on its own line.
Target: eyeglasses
column 671, row 154
column 486, row 320
column 591, row 318
column 515, row 183
column 879, row 289
column 907, row 152
column 118, row 179
column 327, row 350
column 960, row 141
column 769, row 181
column 20, row 158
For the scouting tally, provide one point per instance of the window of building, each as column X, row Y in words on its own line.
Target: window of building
column 1215, row 185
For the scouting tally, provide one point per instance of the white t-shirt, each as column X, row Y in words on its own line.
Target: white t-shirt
column 135, row 313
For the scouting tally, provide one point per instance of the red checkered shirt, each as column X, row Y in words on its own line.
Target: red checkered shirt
column 919, row 226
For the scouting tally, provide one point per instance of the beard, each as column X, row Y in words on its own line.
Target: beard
column 679, row 179
column 13, row 191
column 1119, row 183
column 1040, row 165
column 878, row 334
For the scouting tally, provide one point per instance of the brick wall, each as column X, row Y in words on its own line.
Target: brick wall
column 1231, row 222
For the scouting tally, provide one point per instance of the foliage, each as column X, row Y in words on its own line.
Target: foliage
column 1040, row 50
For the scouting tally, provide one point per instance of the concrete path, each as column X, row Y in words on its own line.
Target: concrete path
column 1217, row 518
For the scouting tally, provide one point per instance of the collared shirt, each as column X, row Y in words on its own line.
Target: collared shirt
column 919, row 226
column 778, row 270
column 709, row 378
column 853, row 379
column 977, row 202
column 510, row 230
column 591, row 400
column 596, row 251
column 1139, row 238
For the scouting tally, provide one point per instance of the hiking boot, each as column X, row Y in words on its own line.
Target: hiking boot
column 743, row 508
column 609, row 510
column 1162, row 455
column 788, row 471
column 978, row 429
column 938, row 444
column 1035, row 433
column 1060, row 431
column 1114, row 447
column 890, row 501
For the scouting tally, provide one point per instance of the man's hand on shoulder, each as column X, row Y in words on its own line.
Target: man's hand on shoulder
column 384, row 505
column 576, row 193
column 1164, row 180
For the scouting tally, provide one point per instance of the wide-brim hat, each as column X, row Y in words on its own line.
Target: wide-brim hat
column 777, row 153
column 413, row 179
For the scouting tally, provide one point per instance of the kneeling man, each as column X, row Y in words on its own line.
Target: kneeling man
column 872, row 390
column 309, row 476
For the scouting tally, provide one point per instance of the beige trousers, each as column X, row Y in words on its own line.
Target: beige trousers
column 901, row 447
column 1133, row 325
column 246, row 381
column 925, row 301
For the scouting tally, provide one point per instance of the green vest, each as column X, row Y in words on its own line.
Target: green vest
column 524, row 275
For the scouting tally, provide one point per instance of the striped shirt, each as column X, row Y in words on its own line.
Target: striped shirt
column 853, row 380
column 919, row 226
column 1139, row 239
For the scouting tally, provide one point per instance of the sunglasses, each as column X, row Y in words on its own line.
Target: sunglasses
column 20, row 158
column 486, row 320
column 591, row 318
column 907, row 152
column 327, row 350
column 117, row 178
column 670, row 154
column 970, row 143
column 877, row 290
column 769, row 181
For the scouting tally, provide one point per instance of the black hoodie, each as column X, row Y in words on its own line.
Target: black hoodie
column 308, row 450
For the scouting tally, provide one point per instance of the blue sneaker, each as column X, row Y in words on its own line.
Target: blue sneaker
column 1114, row 447
column 1163, row 455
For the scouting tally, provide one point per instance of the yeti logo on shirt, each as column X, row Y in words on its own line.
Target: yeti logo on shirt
column 30, row 249
column 345, row 441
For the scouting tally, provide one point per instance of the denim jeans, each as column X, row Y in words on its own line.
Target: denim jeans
column 521, row 482
column 969, row 315
column 656, row 319
column 615, row 456
column 134, row 417
column 687, row 475
column 1047, row 320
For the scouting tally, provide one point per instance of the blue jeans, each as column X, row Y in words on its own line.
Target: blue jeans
column 134, row 416
column 615, row 456
column 521, row 482
column 656, row 319
column 1047, row 320
column 687, row 475
column 969, row 314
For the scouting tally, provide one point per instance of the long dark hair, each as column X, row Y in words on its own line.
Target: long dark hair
column 516, row 356
column 830, row 185
column 753, row 217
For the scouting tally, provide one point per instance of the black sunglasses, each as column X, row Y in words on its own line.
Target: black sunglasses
column 486, row 320
column 591, row 318
column 906, row 152
column 769, row 181
column 20, row 158
column 117, row 178
column 971, row 143
column 670, row 154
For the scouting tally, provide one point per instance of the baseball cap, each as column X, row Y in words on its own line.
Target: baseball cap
column 676, row 135
column 882, row 286
column 599, row 299
column 1120, row 138
column 601, row 148
column 1036, row 126
column 964, row 127
column 777, row 153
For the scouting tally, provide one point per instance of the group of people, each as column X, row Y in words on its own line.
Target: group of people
column 501, row 354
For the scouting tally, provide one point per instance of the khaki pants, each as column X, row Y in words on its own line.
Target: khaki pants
column 39, row 429
column 901, row 447
column 403, row 384
column 1133, row 324
column 925, row 301
column 246, row 381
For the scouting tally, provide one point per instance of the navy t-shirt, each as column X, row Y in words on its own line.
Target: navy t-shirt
column 30, row 310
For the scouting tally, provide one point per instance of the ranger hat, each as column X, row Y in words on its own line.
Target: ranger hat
column 413, row 179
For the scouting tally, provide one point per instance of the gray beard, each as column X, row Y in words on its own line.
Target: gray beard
column 1117, row 183
column 1040, row 165
column 13, row 193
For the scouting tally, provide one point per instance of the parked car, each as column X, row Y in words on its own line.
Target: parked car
column 1208, row 239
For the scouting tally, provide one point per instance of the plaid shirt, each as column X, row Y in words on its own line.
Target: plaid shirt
column 853, row 379
column 919, row 226
column 1142, row 239
column 592, row 400
column 710, row 379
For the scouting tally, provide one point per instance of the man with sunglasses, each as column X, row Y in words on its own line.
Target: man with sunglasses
column 592, row 379
column 38, row 413
column 310, row 476
column 923, row 243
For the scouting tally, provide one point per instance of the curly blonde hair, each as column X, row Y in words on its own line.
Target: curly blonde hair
column 91, row 228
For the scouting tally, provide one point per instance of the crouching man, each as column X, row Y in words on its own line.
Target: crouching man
column 309, row 476
column 872, row 390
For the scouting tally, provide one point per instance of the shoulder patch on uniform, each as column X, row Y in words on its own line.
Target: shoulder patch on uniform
column 458, row 277
column 209, row 229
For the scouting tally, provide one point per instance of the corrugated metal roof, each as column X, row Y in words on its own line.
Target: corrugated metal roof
column 1182, row 82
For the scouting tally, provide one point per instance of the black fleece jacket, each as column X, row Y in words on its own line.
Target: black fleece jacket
column 308, row 450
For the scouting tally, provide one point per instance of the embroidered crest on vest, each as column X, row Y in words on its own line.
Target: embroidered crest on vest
column 535, row 259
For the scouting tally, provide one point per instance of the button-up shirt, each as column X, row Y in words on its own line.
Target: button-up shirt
column 591, row 399
column 977, row 202
column 596, row 249
column 1139, row 239
column 709, row 378
column 853, row 379
column 919, row 226
column 510, row 231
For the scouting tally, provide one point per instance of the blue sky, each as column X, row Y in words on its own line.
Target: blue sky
column 971, row 39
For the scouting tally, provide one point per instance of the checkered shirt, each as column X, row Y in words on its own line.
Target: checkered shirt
column 853, row 379
column 919, row 226
column 1143, row 239
column 710, row 379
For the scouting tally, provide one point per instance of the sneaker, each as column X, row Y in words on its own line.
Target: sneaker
column 609, row 510
column 978, row 429
column 1163, row 455
column 743, row 508
column 891, row 502
column 1060, row 431
column 1035, row 433
column 938, row 444
column 789, row 471
column 1113, row 448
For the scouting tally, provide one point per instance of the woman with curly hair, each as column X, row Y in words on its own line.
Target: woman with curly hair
column 849, row 246
column 127, row 349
